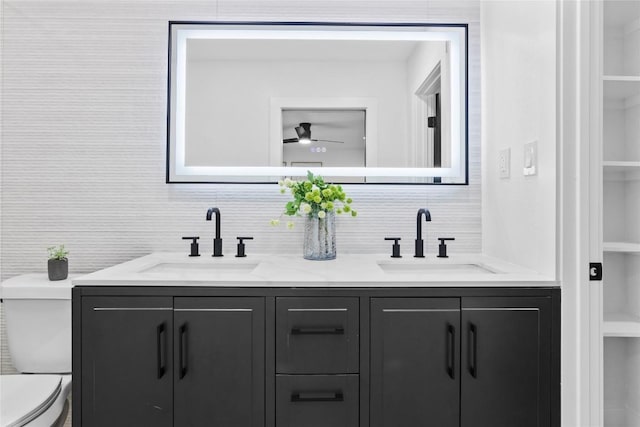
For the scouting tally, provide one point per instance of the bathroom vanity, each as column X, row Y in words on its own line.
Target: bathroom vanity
column 165, row 340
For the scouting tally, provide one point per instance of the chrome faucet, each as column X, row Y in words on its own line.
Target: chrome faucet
column 217, row 241
column 419, row 241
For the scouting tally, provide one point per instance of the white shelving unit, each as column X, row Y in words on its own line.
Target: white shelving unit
column 620, row 80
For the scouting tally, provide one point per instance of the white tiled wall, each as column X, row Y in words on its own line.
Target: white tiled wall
column 83, row 139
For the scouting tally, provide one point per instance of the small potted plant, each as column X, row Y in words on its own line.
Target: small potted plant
column 58, row 264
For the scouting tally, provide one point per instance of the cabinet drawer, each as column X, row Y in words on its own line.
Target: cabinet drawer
column 317, row 400
column 317, row 335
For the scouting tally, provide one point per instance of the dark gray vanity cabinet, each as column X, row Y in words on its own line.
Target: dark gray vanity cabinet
column 165, row 361
column 314, row 357
column 415, row 362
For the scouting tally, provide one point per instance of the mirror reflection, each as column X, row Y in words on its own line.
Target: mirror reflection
column 324, row 138
column 247, row 103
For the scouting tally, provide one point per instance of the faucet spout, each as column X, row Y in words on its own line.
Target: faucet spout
column 217, row 241
column 419, row 242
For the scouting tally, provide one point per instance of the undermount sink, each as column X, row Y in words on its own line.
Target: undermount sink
column 391, row 267
column 203, row 270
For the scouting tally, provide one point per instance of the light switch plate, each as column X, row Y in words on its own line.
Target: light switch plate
column 504, row 163
column 530, row 158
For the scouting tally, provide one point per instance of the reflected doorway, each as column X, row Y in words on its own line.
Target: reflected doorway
column 324, row 138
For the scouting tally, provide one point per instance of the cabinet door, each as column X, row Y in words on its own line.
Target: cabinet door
column 506, row 362
column 415, row 362
column 219, row 362
column 127, row 361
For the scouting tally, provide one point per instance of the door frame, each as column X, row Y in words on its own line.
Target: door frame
column 580, row 209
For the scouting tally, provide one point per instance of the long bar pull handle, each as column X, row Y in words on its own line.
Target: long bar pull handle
column 451, row 350
column 183, row 350
column 162, row 349
column 473, row 350
column 317, row 396
column 322, row 330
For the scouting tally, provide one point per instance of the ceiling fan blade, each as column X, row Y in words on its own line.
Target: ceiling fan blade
column 289, row 140
column 327, row 140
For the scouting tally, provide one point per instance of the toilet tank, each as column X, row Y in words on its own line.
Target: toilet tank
column 38, row 323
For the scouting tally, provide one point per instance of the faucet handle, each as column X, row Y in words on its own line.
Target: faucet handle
column 395, row 249
column 442, row 248
column 241, row 253
column 194, row 245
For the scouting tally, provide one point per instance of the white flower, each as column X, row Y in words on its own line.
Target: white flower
column 322, row 214
column 305, row 208
column 290, row 225
column 275, row 222
column 288, row 182
column 280, row 183
column 314, row 188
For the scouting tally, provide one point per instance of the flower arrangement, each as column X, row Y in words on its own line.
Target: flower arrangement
column 314, row 198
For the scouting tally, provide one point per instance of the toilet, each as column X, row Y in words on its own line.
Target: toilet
column 38, row 322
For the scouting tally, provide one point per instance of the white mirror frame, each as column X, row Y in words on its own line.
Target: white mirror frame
column 179, row 32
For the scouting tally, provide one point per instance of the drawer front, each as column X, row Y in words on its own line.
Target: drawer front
column 317, row 335
column 317, row 400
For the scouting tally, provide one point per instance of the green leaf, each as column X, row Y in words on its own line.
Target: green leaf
column 291, row 208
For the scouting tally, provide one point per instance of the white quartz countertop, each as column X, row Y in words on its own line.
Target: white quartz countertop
column 348, row 270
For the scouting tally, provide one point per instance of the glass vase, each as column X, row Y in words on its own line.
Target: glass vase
column 320, row 237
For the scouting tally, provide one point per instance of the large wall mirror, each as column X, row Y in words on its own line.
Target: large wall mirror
column 363, row 103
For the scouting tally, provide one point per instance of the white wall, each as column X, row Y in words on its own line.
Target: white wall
column 519, row 105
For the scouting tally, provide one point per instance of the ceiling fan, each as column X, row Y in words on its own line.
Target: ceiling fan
column 304, row 136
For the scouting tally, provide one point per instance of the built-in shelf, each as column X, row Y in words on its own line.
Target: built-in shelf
column 619, row 60
column 619, row 166
column 621, row 247
column 621, row 325
column 621, row 171
column 621, row 78
column 621, row 89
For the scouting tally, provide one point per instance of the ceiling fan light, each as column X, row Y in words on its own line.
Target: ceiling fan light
column 304, row 141
column 304, row 131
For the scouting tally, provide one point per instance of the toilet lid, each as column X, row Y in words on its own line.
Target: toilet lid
column 24, row 397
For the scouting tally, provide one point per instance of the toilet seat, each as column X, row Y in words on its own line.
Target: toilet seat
column 25, row 398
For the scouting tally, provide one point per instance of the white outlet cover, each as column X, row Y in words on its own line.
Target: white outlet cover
column 530, row 158
column 504, row 163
